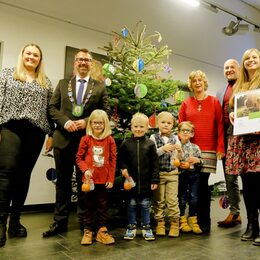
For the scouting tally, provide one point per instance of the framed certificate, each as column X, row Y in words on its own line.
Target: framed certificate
column 247, row 112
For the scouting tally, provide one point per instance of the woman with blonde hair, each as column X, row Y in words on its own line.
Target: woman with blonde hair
column 205, row 112
column 25, row 92
column 243, row 151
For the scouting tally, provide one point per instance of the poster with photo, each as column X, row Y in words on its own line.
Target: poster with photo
column 247, row 112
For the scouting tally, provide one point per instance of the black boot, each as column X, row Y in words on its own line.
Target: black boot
column 2, row 230
column 16, row 229
column 252, row 230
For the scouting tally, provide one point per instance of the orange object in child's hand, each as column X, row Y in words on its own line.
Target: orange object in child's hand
column 85, row 187
column 127, row 186
column 185, row 165
column 176, row 162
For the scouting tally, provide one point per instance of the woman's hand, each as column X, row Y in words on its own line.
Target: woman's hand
column 48, row 144
column 231, row 117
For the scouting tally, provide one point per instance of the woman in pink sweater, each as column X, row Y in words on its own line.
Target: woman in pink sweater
column 205, row 112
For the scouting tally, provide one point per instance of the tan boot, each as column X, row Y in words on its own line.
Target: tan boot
column 160, row 228
column 194, row 225
column 87, row 237
column 184, row 226
column 230, row 221
column 103, row 236
column 174, row 228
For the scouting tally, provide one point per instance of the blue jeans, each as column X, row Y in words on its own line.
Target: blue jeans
column 144, row 204
column 188, row 192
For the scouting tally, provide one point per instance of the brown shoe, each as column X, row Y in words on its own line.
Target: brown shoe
column 87, row 237
column 230, row 221
column 103, row 236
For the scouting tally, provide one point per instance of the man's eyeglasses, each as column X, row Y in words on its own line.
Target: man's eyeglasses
column 186, row 131
column 83, row 59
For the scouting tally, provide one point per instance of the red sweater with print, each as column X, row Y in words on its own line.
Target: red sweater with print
column 209, row 133
column 99, row 156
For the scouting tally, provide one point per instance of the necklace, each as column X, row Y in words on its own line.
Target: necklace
column 199, row 101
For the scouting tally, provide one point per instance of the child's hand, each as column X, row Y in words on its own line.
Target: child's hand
column 154, row 186
column 109, row 185
column 193, row 160
column 124, row 173
column 88, row 174
column 178, row 147
column 185, row 165
column 167, row 148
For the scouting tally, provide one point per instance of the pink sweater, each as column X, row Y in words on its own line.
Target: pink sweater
column 209, row 133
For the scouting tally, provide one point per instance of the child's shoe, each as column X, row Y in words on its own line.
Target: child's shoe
column 148, row 233
column 184, row 226
column 87, row 237
column 160, row 228
column 194, row 225
column 130, row 232
column 174, row 228
column 103, row 236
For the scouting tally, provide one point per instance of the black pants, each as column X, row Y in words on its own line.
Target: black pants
column 20, row 146
column 204, row 200
column 251, row 193
column 65, row 161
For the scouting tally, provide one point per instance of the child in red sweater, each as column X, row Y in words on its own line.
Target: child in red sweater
column 96, row 159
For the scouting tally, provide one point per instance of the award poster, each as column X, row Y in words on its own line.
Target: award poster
column 247, row 112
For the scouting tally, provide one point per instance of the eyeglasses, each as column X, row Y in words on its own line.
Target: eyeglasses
column 186, row 131
column 97, row 123
column 83, row 59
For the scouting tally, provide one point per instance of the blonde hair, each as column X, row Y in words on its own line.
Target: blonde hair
column 166, row 113
column 186, row 123
column 199, row 73
column 140, row 117
column 243, row 83
column 20, row 72
column 100, row 114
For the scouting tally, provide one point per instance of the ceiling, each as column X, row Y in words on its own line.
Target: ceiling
column 191, row 33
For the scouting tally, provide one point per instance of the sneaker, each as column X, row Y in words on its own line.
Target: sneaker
column 148, row 233
column 103, row 236
column 130, row 232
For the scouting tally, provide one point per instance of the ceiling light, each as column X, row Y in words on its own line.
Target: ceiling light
column 256, row 29
column 192, row 2
column 233, row 27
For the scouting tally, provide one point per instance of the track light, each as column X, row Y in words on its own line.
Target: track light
column 233, row 27
column 256, row 29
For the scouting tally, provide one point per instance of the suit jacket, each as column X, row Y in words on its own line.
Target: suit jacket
column 60, row 108
column 220, row 95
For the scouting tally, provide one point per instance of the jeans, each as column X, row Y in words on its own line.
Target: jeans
column 188, row 192
column 144, row 204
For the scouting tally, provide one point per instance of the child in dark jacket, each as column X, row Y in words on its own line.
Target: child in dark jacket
column 138, row 158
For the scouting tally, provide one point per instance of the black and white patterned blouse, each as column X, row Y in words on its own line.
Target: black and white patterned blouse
column 24, row 100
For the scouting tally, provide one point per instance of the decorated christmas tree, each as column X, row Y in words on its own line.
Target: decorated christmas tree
column 133, row 79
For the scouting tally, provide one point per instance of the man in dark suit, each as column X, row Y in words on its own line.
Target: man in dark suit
column 231, row 72
column 71, row 104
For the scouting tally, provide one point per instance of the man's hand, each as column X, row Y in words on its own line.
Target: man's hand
column 48, row 144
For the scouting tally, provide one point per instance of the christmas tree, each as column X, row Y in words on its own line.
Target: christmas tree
column 133, row 76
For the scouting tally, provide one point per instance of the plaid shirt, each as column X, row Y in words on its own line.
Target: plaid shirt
column 165, row 158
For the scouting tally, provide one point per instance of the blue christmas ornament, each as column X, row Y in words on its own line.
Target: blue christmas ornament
column 124, row 32
column 138, row 65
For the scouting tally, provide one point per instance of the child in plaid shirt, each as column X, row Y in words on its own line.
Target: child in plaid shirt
column 189, row 178
column 166, row 196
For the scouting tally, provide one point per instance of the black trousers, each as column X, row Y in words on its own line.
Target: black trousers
column 20, row 146
column 65, row 162
column 251, row 193
column 204, row 200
